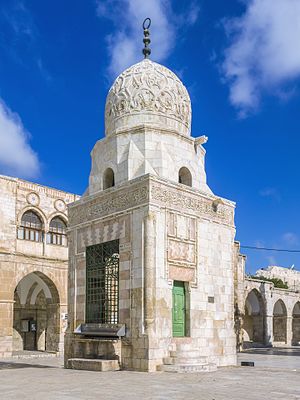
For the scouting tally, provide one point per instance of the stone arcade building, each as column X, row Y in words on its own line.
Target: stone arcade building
column 33, row 266
column 266, row 315
column 151, row 247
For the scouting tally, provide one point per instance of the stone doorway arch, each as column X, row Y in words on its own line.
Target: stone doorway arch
column 296, row 325
column 280, row 322
column 253, row 322
column 36, row 314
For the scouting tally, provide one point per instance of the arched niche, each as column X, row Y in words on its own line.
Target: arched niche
column 185, row 176
column 296, row 325
column 279, row 322
column 253, row 323
column 108, row 178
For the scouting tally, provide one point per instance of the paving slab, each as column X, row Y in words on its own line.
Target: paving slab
column 273, row 377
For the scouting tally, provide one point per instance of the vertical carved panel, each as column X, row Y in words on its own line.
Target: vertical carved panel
column 182, row 247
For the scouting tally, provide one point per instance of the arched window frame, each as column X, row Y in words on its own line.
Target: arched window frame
column 108, row 178
column 57, row 235
column 185, row 177
column 31, row 227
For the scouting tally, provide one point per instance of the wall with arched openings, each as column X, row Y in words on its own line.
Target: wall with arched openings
column 253, row 323
column 36, row 314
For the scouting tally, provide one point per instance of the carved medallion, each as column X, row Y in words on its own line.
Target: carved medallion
column 33, row 199
column 60, row 205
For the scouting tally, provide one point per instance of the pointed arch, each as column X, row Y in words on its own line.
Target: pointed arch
column 31, row 226
column 253, row 323
column 280, row 322
column 296, row 324
column 36, row 316
column 57, row 233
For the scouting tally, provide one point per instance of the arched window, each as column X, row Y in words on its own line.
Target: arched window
column 31, row 227
column 57, row 232
column 108, row 178
column 185, row 177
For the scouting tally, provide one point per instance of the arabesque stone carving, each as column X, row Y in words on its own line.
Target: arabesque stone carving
column 144, row 88
column 172, row 198
column 104, row 205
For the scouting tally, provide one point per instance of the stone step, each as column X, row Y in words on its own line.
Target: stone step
column 184, row 360
column 90, row 364
column 186, row 353
column 191, row 368
column 184, row 346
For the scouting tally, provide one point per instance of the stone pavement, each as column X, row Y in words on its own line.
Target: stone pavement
column 276, row 375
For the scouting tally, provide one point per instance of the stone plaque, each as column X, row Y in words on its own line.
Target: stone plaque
column 183, row 252
column 184, row 274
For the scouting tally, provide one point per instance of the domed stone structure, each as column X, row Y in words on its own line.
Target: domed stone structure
column 148, row 93
column 151, row 245
column 147, row 120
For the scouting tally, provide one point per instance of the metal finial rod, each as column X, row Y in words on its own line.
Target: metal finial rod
column 146, row 40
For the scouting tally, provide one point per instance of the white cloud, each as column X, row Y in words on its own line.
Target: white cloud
column 270, row 192
column 125, row 44
column 264, row 52
column 290, row 238
column 16, row 155
column 271, row 260
column 259, row 243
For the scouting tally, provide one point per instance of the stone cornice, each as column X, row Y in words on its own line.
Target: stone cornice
column 150, row 190
column 144, row 128
column 36, row 187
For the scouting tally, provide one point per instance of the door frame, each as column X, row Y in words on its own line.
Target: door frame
column 183, row 285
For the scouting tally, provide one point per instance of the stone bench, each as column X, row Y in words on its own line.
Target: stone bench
column 89, row 364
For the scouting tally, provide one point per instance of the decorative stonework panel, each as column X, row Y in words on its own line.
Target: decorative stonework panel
column 172, row 198
column 107, row 204
column 100, row 233
column 182, row 247
column 179, row 251
column 182, row 227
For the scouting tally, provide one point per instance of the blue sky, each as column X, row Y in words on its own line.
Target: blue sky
column 240, row 61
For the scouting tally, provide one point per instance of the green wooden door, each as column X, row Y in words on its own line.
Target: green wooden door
column 178, row 309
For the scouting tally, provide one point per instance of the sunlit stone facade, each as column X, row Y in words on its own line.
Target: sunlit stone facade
column 33, row 266
column 266, row 315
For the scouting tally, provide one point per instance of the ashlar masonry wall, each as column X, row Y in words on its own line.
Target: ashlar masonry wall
column 167, row 232
column 20, row 258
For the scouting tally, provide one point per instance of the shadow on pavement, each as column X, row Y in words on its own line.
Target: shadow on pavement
column 274, row 351
column 16, row 365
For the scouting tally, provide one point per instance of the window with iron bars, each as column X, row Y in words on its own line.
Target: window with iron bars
column 102, row 283
column 31, row 227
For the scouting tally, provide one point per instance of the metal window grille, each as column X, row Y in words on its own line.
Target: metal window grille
column 102, row 283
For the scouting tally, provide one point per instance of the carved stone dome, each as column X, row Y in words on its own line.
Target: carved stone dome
column 148, row 93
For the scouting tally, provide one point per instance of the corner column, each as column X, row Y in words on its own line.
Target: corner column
column 289, row 330
column 149, row 270
column 6, row 327
column 269, row 330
